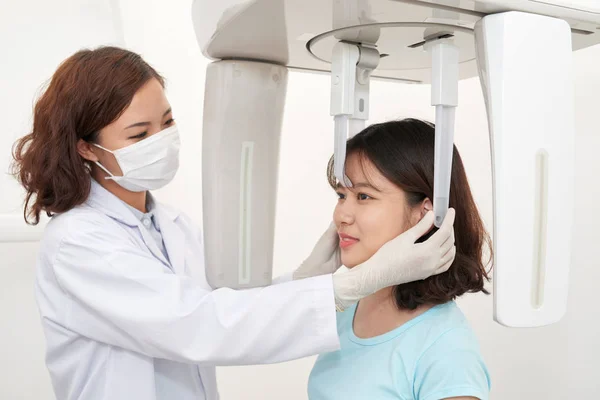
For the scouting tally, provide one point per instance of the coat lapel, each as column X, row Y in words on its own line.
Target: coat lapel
column 107, row 203
column 173, row 237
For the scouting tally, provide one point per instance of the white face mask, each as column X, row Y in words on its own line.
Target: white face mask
column 148, row 164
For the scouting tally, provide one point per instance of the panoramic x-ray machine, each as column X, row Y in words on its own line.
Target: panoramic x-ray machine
column 522, row 52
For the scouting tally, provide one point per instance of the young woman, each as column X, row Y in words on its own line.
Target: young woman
column 120, row 284
column 410, row 341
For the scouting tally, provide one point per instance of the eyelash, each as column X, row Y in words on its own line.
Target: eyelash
column 143, row 134
column 358, row 195
column 139, row 136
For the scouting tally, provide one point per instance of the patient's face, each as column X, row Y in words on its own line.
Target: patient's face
column 370, row 213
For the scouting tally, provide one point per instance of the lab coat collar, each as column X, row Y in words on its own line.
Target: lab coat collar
column 103, row 200
column 174, row 239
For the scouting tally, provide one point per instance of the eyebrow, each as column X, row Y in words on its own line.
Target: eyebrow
column 359, row 185
column 145, row 123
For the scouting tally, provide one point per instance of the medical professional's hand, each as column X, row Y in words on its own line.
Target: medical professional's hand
column 325, row 257
column 399, row 261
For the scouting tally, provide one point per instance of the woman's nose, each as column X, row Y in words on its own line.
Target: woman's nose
column 343, row 214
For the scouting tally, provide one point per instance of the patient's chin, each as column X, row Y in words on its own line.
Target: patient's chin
column 351, row 260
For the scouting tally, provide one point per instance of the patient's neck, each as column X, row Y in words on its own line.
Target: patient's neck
column 378, row 314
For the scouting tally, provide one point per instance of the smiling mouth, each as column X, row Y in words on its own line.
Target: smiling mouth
column 347, row 241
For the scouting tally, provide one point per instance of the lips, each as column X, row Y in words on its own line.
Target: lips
column 347, row 240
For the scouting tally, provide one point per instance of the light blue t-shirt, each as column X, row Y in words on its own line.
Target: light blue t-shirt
column 431, row 357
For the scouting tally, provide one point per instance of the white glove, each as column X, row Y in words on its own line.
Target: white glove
column 325, row 257
column 399, row 261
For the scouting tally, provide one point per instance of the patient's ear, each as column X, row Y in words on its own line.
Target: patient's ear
column 417, row 213
column 426, row 206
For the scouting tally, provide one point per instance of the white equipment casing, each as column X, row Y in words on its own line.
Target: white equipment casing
column 243, row 110
column 524, row 63
column 525, row 70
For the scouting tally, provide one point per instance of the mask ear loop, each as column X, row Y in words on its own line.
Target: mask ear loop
column 102, row 167
column 111, row 176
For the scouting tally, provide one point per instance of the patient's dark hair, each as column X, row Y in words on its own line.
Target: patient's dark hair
column 403, row 152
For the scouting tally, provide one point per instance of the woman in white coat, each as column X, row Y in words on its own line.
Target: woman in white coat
column 125, row 306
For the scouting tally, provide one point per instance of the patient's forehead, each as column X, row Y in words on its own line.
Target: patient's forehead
column 360, row 170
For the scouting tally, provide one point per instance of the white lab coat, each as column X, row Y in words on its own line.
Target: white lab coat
column 123, row 323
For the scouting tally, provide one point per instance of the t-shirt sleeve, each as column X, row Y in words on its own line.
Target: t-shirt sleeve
column 452, row 367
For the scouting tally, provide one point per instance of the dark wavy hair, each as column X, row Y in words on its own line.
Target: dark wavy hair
column 88, row 91
column 403, row 152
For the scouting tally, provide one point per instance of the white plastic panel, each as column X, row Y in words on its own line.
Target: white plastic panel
column 526, row 74
column 243, row 110
column 592, row 6
column 236, row 21
column 279, row 30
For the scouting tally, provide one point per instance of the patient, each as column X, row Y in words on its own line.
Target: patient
column 410, row 341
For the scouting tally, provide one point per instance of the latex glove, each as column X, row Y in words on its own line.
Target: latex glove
column 325, row 257
column 399, row 261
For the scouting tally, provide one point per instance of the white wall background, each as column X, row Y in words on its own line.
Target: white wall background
column 551, row 363
column 35, row 36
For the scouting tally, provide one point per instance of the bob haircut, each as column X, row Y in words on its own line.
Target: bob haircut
column 403, row 152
